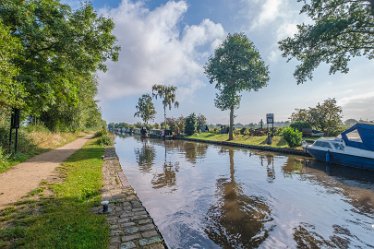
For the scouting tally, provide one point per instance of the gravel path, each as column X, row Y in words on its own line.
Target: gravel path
column 26, row 176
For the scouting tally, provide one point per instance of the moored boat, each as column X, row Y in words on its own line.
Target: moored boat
column 354, row 147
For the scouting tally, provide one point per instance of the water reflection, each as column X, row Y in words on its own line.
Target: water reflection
column 145, row 156
column 268, row 159
column 168, row 176
column 238, row 198
column 236, row 220
column 194, row 151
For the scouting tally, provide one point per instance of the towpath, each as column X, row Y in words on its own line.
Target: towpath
column 25, row 177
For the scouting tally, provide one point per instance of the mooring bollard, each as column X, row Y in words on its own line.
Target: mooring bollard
column 105, row 206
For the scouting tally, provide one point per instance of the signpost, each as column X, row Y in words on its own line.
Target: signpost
column 270, row 121
column 14, row 124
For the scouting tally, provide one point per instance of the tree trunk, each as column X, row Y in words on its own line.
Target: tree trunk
column 231, row 128
column 164, row 117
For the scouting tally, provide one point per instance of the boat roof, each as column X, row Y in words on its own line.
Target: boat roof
column 365, row 140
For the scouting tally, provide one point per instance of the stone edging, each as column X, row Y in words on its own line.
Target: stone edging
column 247, row 146
column 131, row 226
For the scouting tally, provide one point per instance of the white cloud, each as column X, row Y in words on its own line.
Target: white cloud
column 269, row 12
column 154, row 50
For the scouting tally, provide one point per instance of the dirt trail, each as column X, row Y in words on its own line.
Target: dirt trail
column 26, row 176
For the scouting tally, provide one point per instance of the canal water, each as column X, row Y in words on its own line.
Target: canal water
column 208, row 196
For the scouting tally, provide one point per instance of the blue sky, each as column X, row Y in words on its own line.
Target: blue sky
column 170, row 41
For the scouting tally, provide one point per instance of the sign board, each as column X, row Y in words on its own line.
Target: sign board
column 270, row 118
column 15, row 119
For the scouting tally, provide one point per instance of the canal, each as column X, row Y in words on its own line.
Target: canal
column 208, row 196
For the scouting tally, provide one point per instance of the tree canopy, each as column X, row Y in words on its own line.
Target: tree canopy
column 168, row 96
column 145, row 108
column 341, row 29
column 11, row 92
column 326, row 116
column 235, row 67
column 61, row 49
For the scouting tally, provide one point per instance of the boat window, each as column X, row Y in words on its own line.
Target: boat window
column 322, row 144
column 354, row 136
column 338, row 146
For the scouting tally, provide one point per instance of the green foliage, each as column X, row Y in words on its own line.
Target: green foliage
column 146, row 109
column 11, row 92
column 201, row 122
column 176, row 125
column 326, row 117
column 300, row 125
column 292, row 137
column 105, row 140
column 61, row 49
column 167, row 94
column 244, row 131
column 190, row 124
column 340, row 30
column 235, row 67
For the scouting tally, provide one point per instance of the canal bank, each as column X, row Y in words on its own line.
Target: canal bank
column 131, row 226
column 248, row 146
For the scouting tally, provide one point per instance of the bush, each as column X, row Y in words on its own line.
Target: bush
column 105, row 140
column 300, row 125
column 292, row 137
column 101, row 133
column 190, row 126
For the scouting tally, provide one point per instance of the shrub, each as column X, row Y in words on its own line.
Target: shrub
column 190, row 126
column 101, row 133
column 105, row 140
column 300, row 125
column 292, row 137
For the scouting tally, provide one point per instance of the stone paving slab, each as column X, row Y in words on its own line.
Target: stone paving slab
column 131, row 226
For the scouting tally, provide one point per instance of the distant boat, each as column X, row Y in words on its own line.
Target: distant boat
column 353, row 148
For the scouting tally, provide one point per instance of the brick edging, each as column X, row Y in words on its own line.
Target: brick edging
column 131, row 225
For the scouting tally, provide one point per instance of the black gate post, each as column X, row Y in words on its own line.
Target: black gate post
column 17, row 113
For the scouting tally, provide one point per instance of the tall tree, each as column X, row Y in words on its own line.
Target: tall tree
column 201, row 122
column 146, row 109
column 167, row 94
column 326, row 117
column 342, row 29
column 61, row 51
column 235, row 67
column 11, row 92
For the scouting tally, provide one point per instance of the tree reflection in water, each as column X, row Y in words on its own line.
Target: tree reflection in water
column 194, row 151
column 237, row 220
column 305, row 236
column 168, row 177
column 145, row 156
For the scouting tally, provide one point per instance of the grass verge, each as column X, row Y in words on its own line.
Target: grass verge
column 278, row 141
column 60, row 214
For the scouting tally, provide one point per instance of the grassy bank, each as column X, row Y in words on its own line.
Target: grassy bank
column 32, row 141
column 59, row 214
column 278, row 142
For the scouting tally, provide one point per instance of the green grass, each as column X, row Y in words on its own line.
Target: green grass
column 65, row 219
column 278, row 141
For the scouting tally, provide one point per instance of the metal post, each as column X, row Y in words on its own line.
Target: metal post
column 10, row 139
column 16, row 142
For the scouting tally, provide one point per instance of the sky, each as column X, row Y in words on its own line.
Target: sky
column 169, row 42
